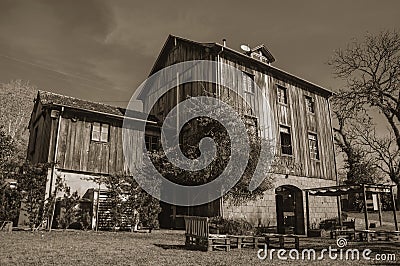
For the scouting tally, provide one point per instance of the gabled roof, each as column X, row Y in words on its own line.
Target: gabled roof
column 217, row 48
column 54, row 99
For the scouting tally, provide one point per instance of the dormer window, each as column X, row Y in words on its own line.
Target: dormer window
column 262, row 54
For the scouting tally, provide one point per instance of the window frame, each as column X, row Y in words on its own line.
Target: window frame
column 309, row 99
column 285, row 90
column 100, row 132
column 151, row 142
column 245, row 80
column 314, row 151
column 288, row 133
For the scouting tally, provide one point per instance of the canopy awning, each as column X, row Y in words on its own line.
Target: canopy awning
column 349, row 189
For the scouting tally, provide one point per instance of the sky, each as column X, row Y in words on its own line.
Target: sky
column 103, row 50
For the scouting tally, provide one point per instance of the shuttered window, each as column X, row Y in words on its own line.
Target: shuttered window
column 313, row 144
column 286, row 140
column 100, row 132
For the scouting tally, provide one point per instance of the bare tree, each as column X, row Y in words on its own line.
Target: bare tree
column 360, row 166
column 372, row 71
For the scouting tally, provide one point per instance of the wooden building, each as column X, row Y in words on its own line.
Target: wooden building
column 82, row 139
column 300, row 114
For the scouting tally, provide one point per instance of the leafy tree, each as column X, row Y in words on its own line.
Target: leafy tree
column 31, row 186
column 16, row 104
column 372, row 70
column 69, row 204
column 145, row 205
column 9, row 198
column 201, row 127
column 125, row 199
column 6, row 150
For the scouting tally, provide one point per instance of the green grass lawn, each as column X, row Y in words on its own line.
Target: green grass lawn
column 161, row 247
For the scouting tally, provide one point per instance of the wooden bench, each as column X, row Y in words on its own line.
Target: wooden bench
column 282, row 241
column 197, row 233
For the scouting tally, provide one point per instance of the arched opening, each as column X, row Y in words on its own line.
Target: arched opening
column 289, row 210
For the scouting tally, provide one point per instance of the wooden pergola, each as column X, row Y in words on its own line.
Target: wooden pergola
column 338, row 191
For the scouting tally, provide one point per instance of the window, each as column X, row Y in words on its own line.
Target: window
column 286, row 140
column 152, row 142
column 282, row 95
column 313, row 144
column 100, row 132
column 309, row 104
column 248, row 82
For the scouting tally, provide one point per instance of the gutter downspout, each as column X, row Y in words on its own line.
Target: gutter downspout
column 218, row 87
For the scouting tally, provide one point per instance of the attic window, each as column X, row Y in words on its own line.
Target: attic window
column 282, row 95
column 310, row 104
column 100, row 132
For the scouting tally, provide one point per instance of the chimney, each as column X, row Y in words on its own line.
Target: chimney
column 224, row 42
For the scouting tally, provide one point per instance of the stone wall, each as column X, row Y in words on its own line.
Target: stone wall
column 263, row 211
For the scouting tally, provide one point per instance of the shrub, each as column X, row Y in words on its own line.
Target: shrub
column 233, row 227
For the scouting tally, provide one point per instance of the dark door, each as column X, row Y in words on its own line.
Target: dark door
column 280, row 220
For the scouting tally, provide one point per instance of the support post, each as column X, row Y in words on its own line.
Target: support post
column 394, row 208
column 379, row 208
column 307, row 212
column 365, row 207
column 339, row 205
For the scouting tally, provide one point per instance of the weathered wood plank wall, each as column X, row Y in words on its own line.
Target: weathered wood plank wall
column 294, row 114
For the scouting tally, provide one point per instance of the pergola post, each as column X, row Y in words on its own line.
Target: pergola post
column 307, row 212
column 339, row 205
column 365, row 207
column 379, row 208
column 394, row 208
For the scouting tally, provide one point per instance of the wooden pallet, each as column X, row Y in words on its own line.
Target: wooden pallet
column 242, row 241
column 282, row 241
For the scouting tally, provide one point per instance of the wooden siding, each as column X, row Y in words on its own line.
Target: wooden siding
column 40, row 138
column 294, row 114
column 77, row 152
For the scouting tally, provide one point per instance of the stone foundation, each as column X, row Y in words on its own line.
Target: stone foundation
column 263, row 211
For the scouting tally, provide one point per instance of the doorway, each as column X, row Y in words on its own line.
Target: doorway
column 289, row 210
